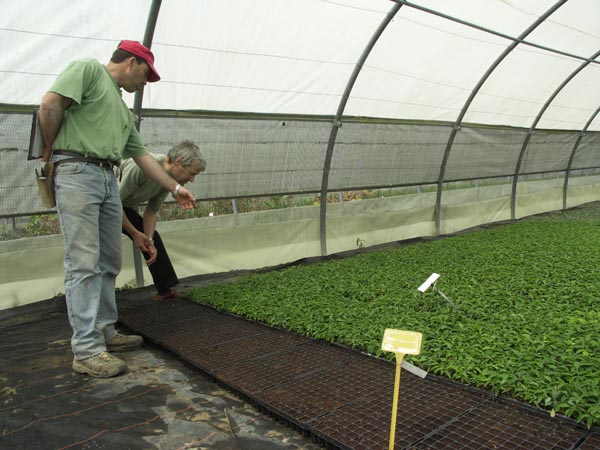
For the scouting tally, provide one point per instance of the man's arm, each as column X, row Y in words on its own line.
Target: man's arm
column 50, row 115
column 150, row 219
column 154, row 170
column 141, row 240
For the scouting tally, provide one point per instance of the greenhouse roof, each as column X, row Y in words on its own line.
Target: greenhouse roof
column 521, row 63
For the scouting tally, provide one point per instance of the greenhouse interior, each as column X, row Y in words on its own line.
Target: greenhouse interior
column 353, row 148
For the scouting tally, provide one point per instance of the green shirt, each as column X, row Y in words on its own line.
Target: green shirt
column 98, row 122
column 136, row 188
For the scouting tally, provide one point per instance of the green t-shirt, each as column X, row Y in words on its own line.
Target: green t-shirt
column 98, row 122
column 136, row 188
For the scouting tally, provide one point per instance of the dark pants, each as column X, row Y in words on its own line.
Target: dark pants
column 162, row 271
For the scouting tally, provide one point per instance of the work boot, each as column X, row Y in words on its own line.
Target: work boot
column 123, row 343
column 102, row 365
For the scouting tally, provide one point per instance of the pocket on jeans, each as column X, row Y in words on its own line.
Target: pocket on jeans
column 70, row 168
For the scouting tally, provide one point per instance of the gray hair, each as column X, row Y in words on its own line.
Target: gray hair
column 189, row 154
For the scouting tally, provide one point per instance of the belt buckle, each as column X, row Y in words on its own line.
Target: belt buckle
column 106, row 165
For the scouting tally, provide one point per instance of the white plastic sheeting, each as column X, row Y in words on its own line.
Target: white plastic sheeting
column 32, row 267
column 295, row 56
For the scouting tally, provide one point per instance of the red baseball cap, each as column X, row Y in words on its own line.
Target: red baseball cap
column 138, row 49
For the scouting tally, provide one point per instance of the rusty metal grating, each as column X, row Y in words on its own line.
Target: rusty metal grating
column 273, row 369
column 212, row 355
column 162, row 319
column 342, row 398
column 326, row 390
column 424, row 407
column 502, row 426
column 592, row 442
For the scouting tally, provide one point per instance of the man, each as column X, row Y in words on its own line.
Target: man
column 183, row 162
column 87, row 129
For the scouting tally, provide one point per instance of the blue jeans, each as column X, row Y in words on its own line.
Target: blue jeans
column 89, row 210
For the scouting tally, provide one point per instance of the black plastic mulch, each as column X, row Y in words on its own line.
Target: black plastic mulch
column 158, row 403
column 342, row 398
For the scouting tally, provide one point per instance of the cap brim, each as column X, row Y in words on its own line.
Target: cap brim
column 153, row 76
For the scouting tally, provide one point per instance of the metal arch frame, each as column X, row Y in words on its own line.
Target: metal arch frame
column 337, row 122
column 149, row 34
column 474, row 92
column 572, row 157
column 148, row 37
column 490, row 31
column 137, row 108
column 513, row 196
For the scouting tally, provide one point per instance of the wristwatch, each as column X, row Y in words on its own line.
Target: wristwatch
column 176, row 191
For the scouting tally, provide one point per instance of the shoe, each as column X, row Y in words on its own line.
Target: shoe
column 124, row 343
column 103, row 365
column 169, row 295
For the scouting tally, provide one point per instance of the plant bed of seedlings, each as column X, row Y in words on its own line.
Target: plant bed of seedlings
column 528, row 297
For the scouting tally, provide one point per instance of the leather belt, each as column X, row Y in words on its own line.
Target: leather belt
column 80, row 157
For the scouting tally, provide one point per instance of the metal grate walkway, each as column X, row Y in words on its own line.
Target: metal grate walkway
column 340, row 397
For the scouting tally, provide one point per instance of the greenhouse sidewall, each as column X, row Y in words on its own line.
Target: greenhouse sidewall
column 33, row 267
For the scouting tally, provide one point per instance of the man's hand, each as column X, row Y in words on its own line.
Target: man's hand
column 145, row 244
column 152, row 252
column 185, row 199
